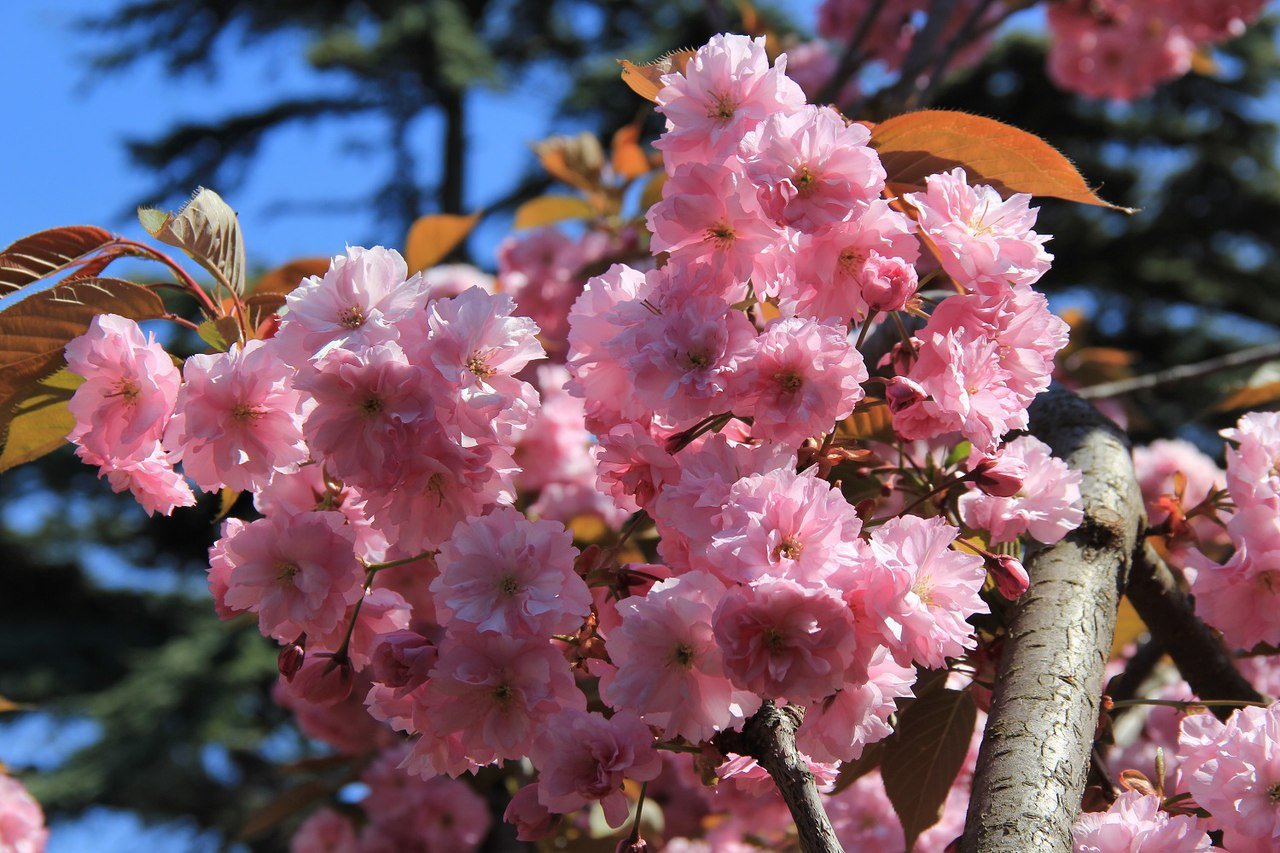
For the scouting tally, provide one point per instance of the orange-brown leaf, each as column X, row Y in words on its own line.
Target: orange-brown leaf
column 284, row 278
column 47, row 253
column 918, row 144
column 1250, row 397
column 549, row 209
column 646, row 80
column 628, row 158
column 433, row 237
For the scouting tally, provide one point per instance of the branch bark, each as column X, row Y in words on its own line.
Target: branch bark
column 1199, row 654
column 769, row 737
column 1183, row 372
column 1034, row 757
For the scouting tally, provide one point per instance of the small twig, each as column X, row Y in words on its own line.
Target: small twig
column 851, row 55
column 1184, row 704
column 1183, row 372
column 403, row 561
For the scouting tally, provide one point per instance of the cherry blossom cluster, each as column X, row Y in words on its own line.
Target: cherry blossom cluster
column 21, row 818
column 593, row 567
column 1119, row 49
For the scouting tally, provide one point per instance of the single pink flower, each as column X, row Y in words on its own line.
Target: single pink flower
column 1135, row 821
column 325, row 831
column 533, row 821
column 21, row 819
column 1233, row 770
column 1048, row 505
column 839, row 727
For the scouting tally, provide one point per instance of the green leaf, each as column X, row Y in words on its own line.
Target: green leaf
column 959, row 453
column 924, row 755
column 47, row 253
column 219, row 332
column 40, row 422
column 207, row 229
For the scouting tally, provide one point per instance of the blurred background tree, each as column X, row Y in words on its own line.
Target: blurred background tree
column 145, row 703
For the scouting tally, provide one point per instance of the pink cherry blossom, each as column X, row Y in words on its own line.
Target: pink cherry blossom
column 130, row 388
column 325, row 831
column 811, row 167
column 919, row 592
column 21, row 819
column 358, row 303
column 1135, row 822
column 781, row 639
column 1239, row 597
column 1252, row 475
column 984, row 242
column 506, row 574
column 1048, row 506
column 238, row 418
column 299, row 576
column 554, row 447
column 402, row 660
column 1122, row 53
column 1233, row 769
column 801, row 378
column 149, row 476
column 1158, row 462
column 532, row 820
column 785, row 525
column 381, row 612
column 839, row 727
column 497, row 693
column 583, row 758
column 668, row 668
column 631, row 464
column 725, row 90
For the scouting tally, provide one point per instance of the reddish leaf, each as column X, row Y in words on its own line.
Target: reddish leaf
column 46, row 253
column 646, row 80
column 923, row 756
column 852, row 771
column 918, row 144
column 284, row 278
column 431, row 238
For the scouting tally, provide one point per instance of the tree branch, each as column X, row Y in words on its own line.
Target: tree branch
column 1044, row 709
column 1199, row 654
column 1183, row 372
column 769, row 737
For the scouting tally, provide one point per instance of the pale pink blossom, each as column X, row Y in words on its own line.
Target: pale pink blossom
column 667, row 666
column 812, row 64
column 497, row 693
column 1122, row 53
column 1048, row 506
column 554, row 447
column 583, row 758
column 309, row 490
column 402, row 660
column 1240, row 597
column 1156, row 465
column 381, row 612
column 840, row 726
column 710, row 214
column 238, row 418
column 542, row 271
column 358, row 303
column 811, row 167
column 781, row 639
column 532, row 820
column 918, row 591
column 299, row 576
column 1253, row 454
column 130, row 388
column 325, row 831
column 1135, row 822
column 507, row 574
column 984, row 242
column 785, row 525
column 149, row 476
column 21, row 819
column 408, row 813
column 630, row 463
column 1233, row 770
column 220, row 566
column 725, row 90
column 801, row 378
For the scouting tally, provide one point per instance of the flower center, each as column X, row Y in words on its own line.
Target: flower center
column 285, row 572
column 788, row 549
column 722, row 108
column 245, row 412
column 805, row 181
column 351, row 318
column 371, row 406
column 698, row 360
column 775, row 639
column 789, row 381
column 1273, row 794
column 721, row 234
column 126, row 388
column 683, row 654
column 508, row 585
column 503, row 694
column 924, row 589
column 478, row 364
column 850, row 261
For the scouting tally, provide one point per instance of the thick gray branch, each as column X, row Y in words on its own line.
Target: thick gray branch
column 769, row 737
column 1044, row 709
column 1200, row 656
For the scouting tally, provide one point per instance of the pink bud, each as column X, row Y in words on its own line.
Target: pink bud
column 532, row 820
column 1010, row 576
column 402, row 659
column 289, row 661
column 999, row 476
column 887, row 283
column 324, row 679
column 626, row 845
column 902, row 393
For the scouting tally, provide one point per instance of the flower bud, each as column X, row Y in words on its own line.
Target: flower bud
column 999, row 476
column 1010, row 576
column 887, row 283
column 902, row 393
column 289, row 661
column 324, row 679
column 402, row 660
column 532, row 820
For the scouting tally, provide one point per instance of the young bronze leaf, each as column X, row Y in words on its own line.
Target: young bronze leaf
column 34, row 330
column 39, row 423
column 1250, row 397
column 433, row 237
column 207, row 229
column 918, row 144
column 923, row 756
column 546, row 209
column 646, row 80
column 284, row 278
column 47, row 253
column 628, row 157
